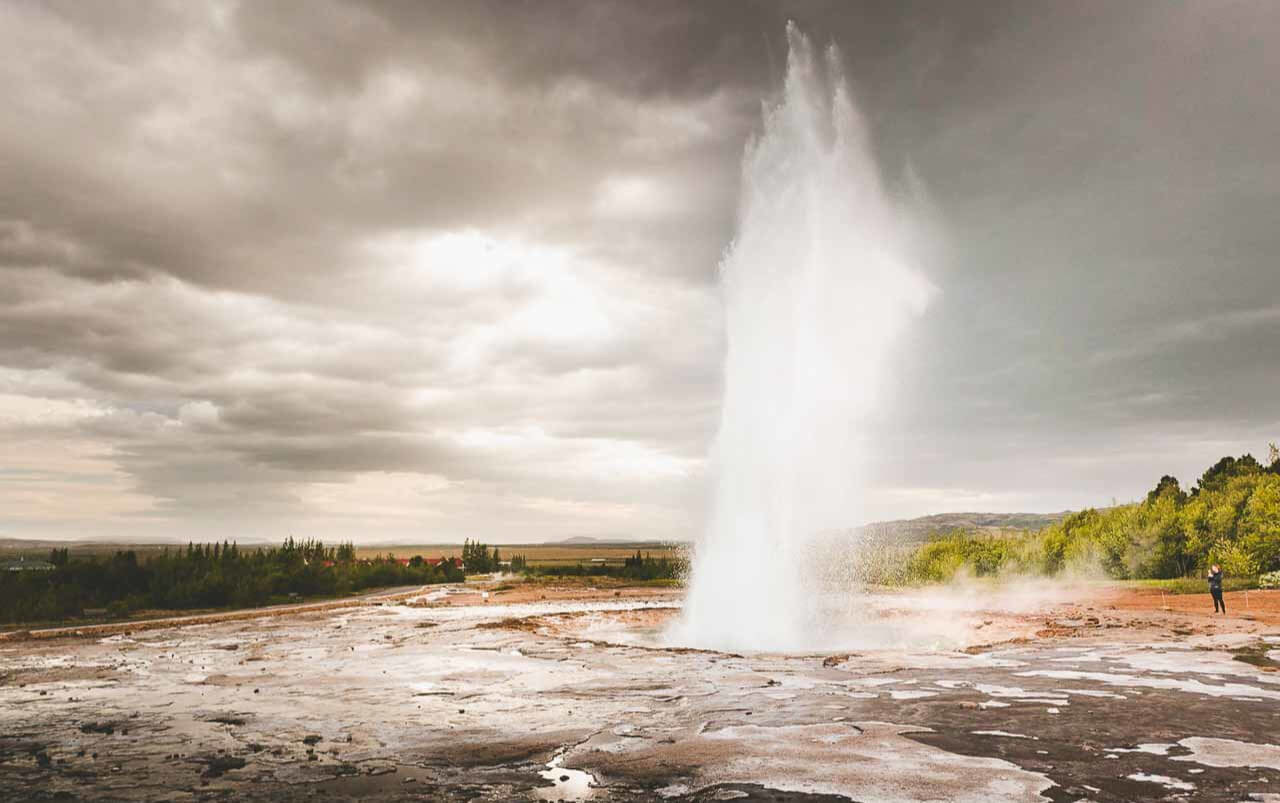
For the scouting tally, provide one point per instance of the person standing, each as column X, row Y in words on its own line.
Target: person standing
column 1215, row 588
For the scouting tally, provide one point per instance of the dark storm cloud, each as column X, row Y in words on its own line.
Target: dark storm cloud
column 453, row 263
column 234, row 147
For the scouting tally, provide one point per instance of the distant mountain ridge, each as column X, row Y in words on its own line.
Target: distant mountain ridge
column 924, row 526
column 908, row 529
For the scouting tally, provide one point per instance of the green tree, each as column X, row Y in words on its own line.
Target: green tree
column 1168, row 485
column 1260, row 525
column 1226, row 469
column 475, row 557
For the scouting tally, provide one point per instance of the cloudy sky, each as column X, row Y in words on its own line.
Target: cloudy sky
column 389, row 271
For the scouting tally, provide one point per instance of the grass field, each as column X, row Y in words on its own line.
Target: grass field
column 39, row 550
column 1195, row 585
column 535, row 554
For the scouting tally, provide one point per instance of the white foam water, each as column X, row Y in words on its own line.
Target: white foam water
column 816, row 287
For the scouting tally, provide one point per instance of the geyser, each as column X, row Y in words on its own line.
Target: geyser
column 816, row 285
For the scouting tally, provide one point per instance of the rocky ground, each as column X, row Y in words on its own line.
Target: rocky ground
column 539, row 693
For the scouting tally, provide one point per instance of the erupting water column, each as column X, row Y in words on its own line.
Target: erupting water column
column 816, row 285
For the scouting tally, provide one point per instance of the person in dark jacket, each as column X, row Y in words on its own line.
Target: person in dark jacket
column 1215, row 588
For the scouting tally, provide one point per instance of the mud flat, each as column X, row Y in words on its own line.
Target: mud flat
column 573, row 695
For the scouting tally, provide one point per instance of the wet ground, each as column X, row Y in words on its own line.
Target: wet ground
column 446, row 696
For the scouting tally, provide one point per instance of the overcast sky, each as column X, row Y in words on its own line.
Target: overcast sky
column 427, row 271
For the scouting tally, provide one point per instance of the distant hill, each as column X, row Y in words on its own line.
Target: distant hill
column 921, row 528
column 586, row 540
column 917, row 529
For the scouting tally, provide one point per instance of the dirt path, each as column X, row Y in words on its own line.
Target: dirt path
column 1249, row 606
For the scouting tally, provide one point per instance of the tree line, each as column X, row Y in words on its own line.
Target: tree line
column 1230, row 517
column 204, row 576
column 479, row 560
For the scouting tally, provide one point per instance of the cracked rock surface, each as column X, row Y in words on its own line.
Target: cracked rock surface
column 573, row 698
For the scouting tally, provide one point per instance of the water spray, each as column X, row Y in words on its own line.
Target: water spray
column 816, row 285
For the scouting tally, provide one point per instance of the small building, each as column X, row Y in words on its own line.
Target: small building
column 24, row 565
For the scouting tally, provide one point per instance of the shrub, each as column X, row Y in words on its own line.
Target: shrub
column 1269, row 580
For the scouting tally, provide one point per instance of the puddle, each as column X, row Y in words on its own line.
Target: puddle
column 1155, row 749
column 566, row 784
column 910, row 694
column 1091, row 693
column 1176, row 684
column 1021, row 695
column 1163, row 780
column 1230, row 753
